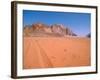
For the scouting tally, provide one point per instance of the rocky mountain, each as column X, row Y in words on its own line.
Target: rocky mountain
column 40, row 29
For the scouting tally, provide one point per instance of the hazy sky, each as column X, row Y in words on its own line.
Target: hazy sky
column 79, row 23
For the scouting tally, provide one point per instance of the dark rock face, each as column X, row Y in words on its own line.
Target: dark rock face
column 89, row 35
column 43, row 29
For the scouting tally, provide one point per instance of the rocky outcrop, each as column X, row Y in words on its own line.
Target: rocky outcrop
column 27, row 30
column 43, row 29
column 59, row 29
column 88, row 35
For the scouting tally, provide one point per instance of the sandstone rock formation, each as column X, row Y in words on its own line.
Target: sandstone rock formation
column 40, row 29
column 58, row 28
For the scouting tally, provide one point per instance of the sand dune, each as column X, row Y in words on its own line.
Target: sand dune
column 49, row 52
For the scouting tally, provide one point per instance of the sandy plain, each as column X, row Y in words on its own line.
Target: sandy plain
column 53, row 52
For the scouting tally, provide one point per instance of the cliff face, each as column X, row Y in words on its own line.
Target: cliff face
column 58, row 28
column 40, row 29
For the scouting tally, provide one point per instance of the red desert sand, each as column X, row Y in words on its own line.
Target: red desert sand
column 53, row 52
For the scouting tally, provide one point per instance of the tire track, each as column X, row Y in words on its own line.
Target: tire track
column 43, row 56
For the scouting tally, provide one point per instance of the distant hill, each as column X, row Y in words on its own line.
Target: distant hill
column 88, row 35
column 40, row 29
